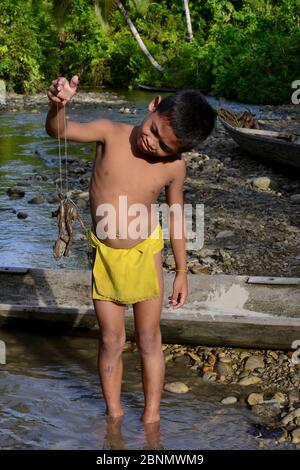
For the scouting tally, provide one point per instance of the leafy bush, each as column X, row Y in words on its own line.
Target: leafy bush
column 20, row 53
column 247, row 50
column 84, row 46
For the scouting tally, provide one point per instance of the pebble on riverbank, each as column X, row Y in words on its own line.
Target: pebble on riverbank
column 176, row 387
column 15, row 193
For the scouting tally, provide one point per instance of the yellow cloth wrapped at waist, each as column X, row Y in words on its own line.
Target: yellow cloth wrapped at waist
column 126, row 275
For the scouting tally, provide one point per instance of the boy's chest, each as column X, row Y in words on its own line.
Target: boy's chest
column 131, row 174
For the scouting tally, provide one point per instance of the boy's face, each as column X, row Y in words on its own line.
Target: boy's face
column 156, row 136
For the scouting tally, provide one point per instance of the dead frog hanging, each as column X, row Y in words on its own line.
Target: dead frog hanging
column 66, row 214
column 67, row 211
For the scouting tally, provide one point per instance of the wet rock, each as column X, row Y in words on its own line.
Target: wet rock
column 288, row 418
column 211, row 359
column 194, row 356
column 207, row 260
column 225, row 257
column 77, row 171
column 168, row 357
column 176, row 387
column 225, row 369
column 202, row 156
column 22, row 215
column 224, row 234
column 261, row 182
column 266, row 410
column 244, row 354
column 15, row 193
column 280, row 397
column 273, row 354
column 83, row 195
column 182, row 359
column 284, row 436
column 124, row 110
column 199, row 269
column 224, row 359
column 254, row 362
column 295, row 198
column 229, row 400
column 41, row 177
column 209, row 376
column 81, row 204
column 170, row 262
column 53, row 198
column 212, row 166
column 250, row 380
column 207, row 252
column 255, row 398
column 293, row 396
column 128, row 346
column 207, row 368
column 265, row 432
column 39, row 199
column 296, row 436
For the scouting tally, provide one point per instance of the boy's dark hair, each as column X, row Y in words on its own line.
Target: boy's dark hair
column 191, row 117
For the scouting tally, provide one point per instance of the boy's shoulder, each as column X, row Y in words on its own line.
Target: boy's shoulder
column 178, row 162
column 177, row 168
column 119, row 126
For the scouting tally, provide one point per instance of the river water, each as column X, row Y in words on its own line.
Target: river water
column 51, row 399
column 50, row 394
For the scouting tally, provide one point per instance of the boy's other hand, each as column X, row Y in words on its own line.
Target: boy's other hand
column 61, row 90
column 180, row 291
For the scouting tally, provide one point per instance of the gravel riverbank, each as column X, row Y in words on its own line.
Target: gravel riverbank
column 267, row 382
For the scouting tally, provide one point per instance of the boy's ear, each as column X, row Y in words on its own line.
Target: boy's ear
column 154, row 103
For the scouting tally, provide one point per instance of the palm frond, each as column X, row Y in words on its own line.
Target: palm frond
column 60, row 9
column 140, row 5
column 104, row 9
column 100, row 18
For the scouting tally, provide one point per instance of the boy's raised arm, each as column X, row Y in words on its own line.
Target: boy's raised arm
column 60, row 92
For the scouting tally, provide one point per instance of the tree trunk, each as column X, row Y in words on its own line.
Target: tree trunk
column 137, row 36
column 188, row 19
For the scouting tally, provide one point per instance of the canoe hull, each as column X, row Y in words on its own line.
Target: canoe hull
column 268, row 148
column 221, row 310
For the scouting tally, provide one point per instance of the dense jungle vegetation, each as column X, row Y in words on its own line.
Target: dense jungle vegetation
column 248, row 50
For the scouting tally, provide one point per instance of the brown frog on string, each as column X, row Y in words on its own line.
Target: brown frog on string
column 66, row 214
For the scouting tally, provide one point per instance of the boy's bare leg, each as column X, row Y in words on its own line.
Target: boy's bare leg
column 110, row 317
column 148, row 338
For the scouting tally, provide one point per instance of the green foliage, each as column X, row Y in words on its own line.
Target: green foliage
column 126, row 60
column 256, row 62
column 84, row 46
column 248, row 50
column 20, row 52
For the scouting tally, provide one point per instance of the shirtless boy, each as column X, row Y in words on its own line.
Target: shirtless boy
column 134, row 163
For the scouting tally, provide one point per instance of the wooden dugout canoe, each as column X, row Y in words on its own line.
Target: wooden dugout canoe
column 221, row 310
column 268, row 145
